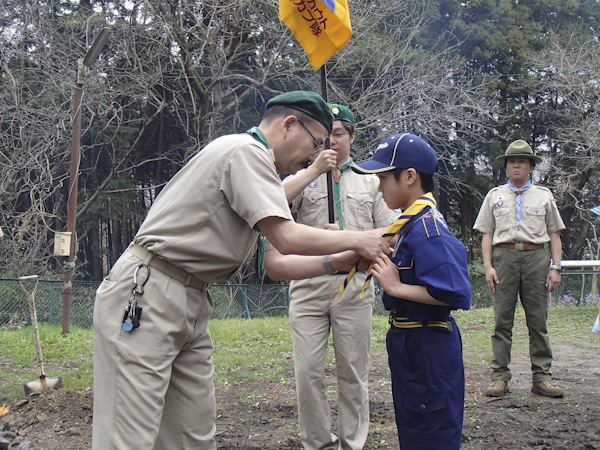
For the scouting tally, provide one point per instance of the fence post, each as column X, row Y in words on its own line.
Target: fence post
column 52, row 311
column 246, row 300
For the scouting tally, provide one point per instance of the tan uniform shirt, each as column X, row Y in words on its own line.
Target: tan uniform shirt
column 203, row 220
column 363, row 208
column 539, row 216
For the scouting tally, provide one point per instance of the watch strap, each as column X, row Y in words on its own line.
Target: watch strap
column 327, row 263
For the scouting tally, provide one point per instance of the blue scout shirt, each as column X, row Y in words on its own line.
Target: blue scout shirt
column 428, row 254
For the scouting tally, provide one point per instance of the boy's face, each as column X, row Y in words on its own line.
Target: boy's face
column 394, row 192
column 341, row 139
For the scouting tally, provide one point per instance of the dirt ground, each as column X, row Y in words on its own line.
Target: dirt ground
column 254, row 416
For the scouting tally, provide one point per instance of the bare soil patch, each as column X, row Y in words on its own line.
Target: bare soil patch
column 261, row 415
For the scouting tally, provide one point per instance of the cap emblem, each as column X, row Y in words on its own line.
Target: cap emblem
column 382, row 145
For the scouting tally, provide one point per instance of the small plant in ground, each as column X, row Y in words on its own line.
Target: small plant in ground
column 569, row 299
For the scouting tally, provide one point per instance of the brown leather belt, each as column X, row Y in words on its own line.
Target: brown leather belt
column 166, row 267
column 521, row 246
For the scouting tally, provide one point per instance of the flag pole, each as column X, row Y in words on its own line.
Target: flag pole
column 330, row 204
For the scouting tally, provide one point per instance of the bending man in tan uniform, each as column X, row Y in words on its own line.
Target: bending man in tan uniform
column 516, row 220
column 314, row 313
column 153, row 384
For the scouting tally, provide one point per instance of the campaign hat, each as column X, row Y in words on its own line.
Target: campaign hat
column 519, row 148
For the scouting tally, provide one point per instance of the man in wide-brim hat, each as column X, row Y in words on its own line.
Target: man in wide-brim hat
column 517, row 220
column 519, row 148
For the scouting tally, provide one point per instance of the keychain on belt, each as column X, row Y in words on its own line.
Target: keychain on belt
column 133, row 312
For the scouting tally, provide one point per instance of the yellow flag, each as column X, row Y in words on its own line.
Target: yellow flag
column 321, row 27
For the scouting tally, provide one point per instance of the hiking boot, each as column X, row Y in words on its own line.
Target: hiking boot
column 547, row 389
column 497, row 389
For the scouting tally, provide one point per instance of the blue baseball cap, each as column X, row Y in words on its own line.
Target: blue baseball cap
column 400, row 151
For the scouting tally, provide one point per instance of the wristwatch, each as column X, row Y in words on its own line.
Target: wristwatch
column 556, row 267
column 328, row 267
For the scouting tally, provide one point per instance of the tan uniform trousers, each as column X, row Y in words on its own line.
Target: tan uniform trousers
column 157, row 388
column 521, row 273
column 313, row 313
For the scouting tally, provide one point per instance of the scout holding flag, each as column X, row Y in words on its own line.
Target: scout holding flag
column 321, row 28
column 424, row 280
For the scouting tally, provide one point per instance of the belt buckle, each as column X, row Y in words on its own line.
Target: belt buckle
column 519, row 246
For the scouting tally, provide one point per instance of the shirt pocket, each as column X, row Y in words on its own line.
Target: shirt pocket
column 314, row 210
column 359, row 211
column 404, row 263
column 534, row 219
column 503, row 218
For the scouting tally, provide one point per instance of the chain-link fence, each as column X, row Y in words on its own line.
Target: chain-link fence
column 14, row 306
column 230, row 300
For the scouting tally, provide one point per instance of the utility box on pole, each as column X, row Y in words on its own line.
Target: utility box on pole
column 62, row 243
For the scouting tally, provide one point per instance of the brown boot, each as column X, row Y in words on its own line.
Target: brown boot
column 547, row 389
column 497, row 389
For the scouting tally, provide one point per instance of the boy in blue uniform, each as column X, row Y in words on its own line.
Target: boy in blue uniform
column 424, row 280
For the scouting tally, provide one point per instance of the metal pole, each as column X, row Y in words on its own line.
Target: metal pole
column 72, row 199
column 82, row 65
column 330, row 201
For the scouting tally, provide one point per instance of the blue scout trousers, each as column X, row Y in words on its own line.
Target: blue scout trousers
column 428, row 386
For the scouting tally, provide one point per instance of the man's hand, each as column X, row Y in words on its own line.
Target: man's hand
column 369, row 244
column 492, row 279
column 345, row 261
column 553, row 280
column 386, row 273
column 326, row 161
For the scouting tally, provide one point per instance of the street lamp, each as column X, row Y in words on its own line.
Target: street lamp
column 82, row 67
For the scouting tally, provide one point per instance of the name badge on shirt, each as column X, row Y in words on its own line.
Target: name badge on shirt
column 500, row 201
column 534, row 208
column 351, row 190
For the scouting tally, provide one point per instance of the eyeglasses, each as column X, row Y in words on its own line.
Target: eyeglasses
column 339, row 134
column 318, row 145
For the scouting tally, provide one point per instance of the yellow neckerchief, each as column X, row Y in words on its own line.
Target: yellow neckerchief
column 414, row 209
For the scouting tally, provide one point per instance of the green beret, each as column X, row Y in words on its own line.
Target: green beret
column 342, row 113
column 310, row 103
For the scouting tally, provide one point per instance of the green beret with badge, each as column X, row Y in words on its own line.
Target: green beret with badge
column 310, row 103
column 340, row 112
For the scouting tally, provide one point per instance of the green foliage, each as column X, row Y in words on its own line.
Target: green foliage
column 476, row 271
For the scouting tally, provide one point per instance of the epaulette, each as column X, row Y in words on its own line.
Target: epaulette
column 431, row 224
column 496, row 188
column 544, row 188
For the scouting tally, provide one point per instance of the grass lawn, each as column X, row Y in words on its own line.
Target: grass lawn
column 254, row 349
